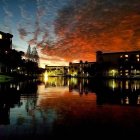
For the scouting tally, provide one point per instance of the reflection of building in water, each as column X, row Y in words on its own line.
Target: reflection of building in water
column 119, row 92
column 9, row 98
column 82, row 69
column 16, row 94
column 56, row 82
column 119, row 64
column 81, row 85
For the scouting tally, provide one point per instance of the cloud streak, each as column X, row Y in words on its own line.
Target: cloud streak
column 7, row 16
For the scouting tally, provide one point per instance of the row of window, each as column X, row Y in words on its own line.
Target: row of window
column 126, row 56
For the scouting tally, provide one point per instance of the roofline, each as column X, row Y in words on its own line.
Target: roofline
column 121, row 52
column 82, row 62
column 8, row 34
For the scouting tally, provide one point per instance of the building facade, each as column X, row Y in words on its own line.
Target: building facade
column 82, row 69
column 118, row 64
column 5, row 48
column 5, row 41
column 56, row 70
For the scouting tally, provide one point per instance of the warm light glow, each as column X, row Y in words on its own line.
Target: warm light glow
column 127, row 85
column 0, row 36
column 18, row 68
column 74, row 73
column 126, row 70
column 126, row 55
column 45, row 77
column 73, row 81
column 113, row 72
column 113, row 84
column 137, row 55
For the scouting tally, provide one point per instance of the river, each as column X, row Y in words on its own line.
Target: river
column 59, row 107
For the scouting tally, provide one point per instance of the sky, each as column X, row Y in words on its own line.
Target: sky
column 71, row 30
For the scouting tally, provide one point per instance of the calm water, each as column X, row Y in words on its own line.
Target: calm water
column 69, row 108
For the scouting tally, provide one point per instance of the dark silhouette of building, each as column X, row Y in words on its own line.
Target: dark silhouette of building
column 5, row 49
column 118, row 64
column 5, row 41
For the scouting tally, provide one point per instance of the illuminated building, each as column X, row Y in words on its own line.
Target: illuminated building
column 119, row 64
column 82, row 69
column 56, row 70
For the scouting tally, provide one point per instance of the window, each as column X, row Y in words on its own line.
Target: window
column 126, row 70
column 126, row 59
column 126, row 55
column 137, row 55
column 0, row 36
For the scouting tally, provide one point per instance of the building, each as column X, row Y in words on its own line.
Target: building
column 82, row 69
column 118, row 64
column 5, row 48
column 5, row 41
column 56, row 70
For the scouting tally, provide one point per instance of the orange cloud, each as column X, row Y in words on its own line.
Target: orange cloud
column 91, row 26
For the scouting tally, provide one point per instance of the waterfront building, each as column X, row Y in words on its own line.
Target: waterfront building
column 5, row 48
column 56, row 70
column 5, row 41
column 118, row 64
column 82, row 69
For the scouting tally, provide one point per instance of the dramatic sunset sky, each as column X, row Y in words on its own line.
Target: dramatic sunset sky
column 72, row 30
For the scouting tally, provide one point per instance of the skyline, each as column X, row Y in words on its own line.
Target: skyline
column 71, row 30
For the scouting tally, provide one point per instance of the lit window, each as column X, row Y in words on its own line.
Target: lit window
column 0, row 36
column 126, row 55
column 138, row 59
column 121, row 56
column 126, row 70
column 137, row 55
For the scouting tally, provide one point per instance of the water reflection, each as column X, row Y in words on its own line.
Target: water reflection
column 107, row 91
column 40, row 108
column 124, row 92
